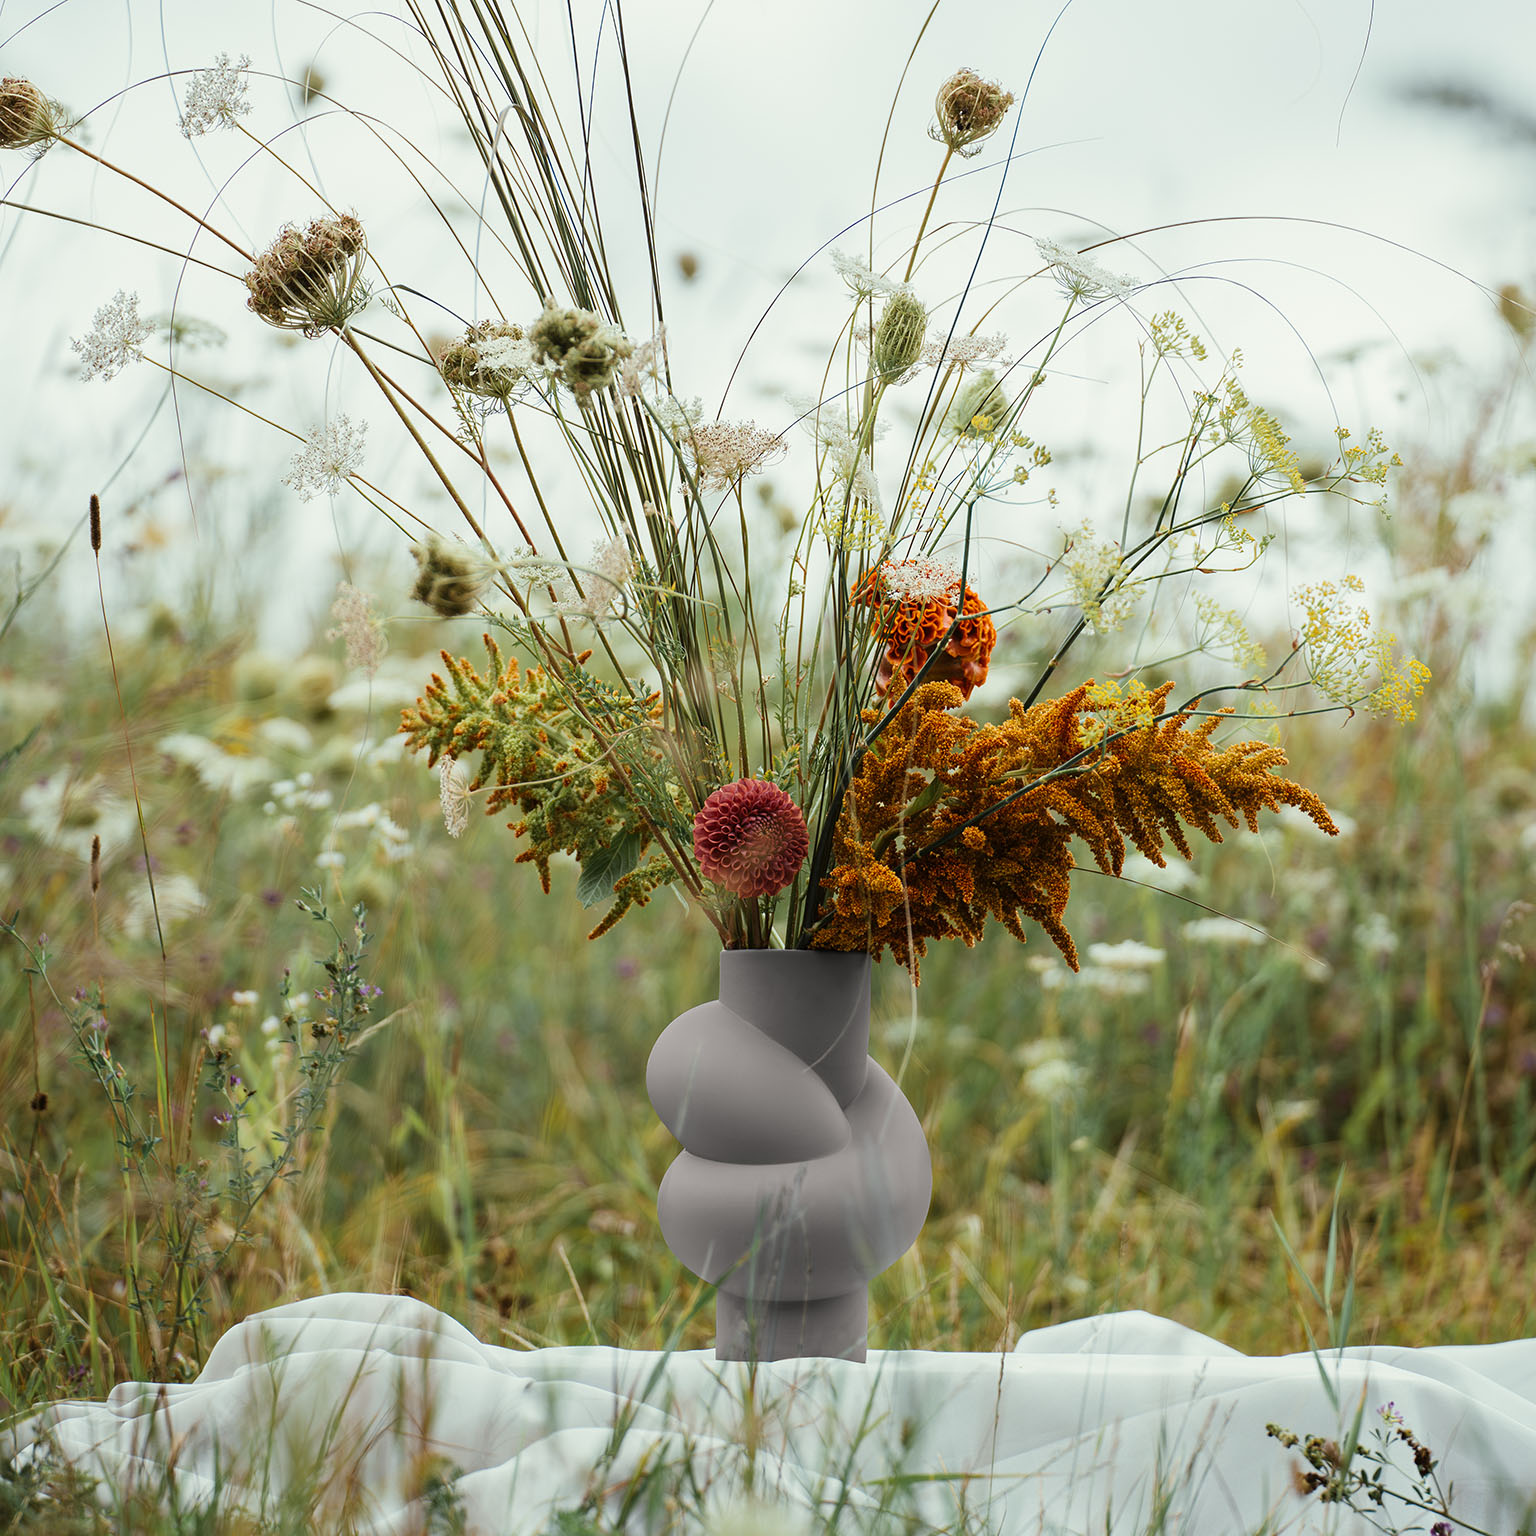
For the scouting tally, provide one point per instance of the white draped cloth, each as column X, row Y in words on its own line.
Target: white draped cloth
column 1100, row 1420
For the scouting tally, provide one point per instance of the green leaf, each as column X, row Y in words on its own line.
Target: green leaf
column 603, row 870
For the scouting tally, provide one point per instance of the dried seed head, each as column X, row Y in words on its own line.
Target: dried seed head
column 450, row 577
column 491, row 360
column 95, row 864
column 898, row 343
column 584, row 347
column 311, row 280
column 28, row 119
column 969, row 109
column 95, row 523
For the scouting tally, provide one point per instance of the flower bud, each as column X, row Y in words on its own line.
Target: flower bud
column 898, row 339
column 586, row 350
column 969, row 109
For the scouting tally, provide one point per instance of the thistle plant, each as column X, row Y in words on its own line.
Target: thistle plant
column 827, row 666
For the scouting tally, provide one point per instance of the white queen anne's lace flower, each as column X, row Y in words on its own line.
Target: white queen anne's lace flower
column 918, row 581
column 864, row 281
column 602, row 584
column 333, row 452
column 216, row 97
column 453, row 793
column 1082, row 276
column 117, row 333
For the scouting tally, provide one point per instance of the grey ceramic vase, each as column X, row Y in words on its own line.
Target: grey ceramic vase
column 801, row 1157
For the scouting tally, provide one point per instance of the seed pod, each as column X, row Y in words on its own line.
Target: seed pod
column 898, row 339
column 28, row 119
column 969, row 109
column 450, row 577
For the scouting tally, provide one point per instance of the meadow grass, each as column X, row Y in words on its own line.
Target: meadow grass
column 1174, row 1143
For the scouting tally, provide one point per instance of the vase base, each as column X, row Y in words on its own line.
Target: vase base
column 836, row 1327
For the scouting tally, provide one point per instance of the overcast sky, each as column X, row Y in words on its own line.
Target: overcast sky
column 1257, row 117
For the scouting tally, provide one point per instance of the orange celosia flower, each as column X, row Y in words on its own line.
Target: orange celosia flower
column 911, row 626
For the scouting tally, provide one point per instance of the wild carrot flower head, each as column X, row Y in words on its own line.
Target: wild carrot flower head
column 491, row 360
column 969, row 109
column 216, row 97
column 450, row 576
column 587, row 351
column 311, row 280
column 365, row 633
column 116, row 334
column 453, row 793
column 750, row 838
column 916, row 602
column 332, row 453
column 28, row 119
column 724, row 451
column 898, row 343
column 1081, row 276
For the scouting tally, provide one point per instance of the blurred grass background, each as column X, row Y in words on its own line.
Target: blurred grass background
column 1125, row 1138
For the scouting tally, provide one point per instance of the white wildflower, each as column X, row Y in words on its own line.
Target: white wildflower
column 287, row 735
column 864, row 281
column 1054, row 1079
column 68, row 813
column 217, row 1036
column 724, row 451
column 1221, row 930
column 244, row 999
column 1176, row 876
column 1127, row 955
column 454, row 795
column 333, row 451
column 646, row 362
column 510, row 354
column 1081, row 276
column 1296, row 820
column 218, row 770
column 919, row 581
column 1101, row 584
column 964, row 351
column 1113, row 983
column 116, row 335
column 331, row 858
column 1376, row 936
column 216, row 97
column 360, row 627
column 270, row 1025
column 177, row 898
column 603, row 582
column 363, row 816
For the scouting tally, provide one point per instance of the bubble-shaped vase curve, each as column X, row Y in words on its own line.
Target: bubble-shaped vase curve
column 800, row 1155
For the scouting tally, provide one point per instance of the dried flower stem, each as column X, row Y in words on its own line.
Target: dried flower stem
column 164, row 197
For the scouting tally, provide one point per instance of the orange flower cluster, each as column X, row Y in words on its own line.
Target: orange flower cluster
column 930, row 771
column 911, row 627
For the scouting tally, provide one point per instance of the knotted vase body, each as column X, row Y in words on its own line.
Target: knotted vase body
column 804, row 1171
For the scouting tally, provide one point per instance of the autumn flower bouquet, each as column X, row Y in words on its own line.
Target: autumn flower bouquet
column 771, row 721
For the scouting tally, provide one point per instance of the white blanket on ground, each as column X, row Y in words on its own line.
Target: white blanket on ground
column 1109, row 1416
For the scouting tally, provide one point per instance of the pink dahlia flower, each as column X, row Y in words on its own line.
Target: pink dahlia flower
column 750, row 837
